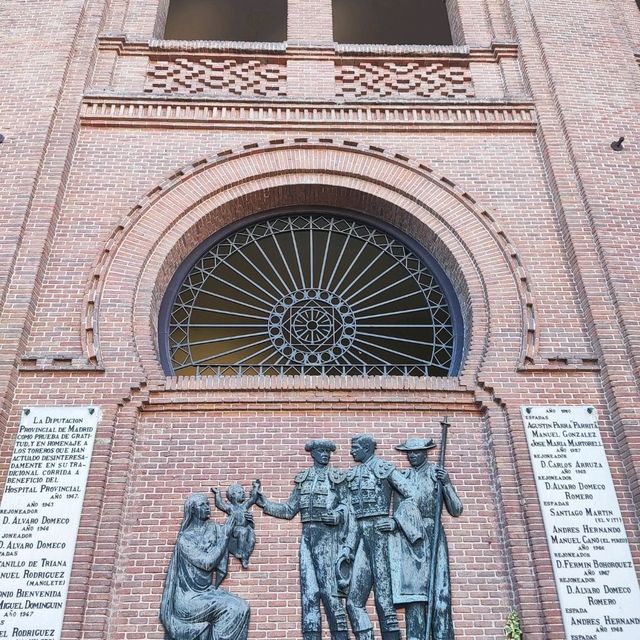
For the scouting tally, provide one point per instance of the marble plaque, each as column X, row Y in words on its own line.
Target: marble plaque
column 594, row 573
column 40, row 515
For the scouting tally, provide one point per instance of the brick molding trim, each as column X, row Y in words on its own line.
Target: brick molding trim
column 127, row 111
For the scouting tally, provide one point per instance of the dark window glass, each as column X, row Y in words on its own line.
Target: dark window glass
column 391, row 22
column 310, row 293
column 245, row 20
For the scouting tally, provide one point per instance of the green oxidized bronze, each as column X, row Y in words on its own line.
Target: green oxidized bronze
column 317, row 497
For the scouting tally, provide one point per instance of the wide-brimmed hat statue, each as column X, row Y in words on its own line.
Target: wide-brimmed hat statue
column 416, row 444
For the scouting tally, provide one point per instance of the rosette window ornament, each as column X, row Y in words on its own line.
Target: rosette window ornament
column 314, row 294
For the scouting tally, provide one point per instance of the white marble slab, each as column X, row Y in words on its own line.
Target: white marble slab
column 40, row 515
column 594, row 573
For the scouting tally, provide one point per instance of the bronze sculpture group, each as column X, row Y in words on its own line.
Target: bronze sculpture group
column 370, row 528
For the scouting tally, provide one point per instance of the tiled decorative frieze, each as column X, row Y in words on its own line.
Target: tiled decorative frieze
column 395, row 79
column 232, row 76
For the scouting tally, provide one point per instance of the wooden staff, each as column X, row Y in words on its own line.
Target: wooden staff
column 437, row 517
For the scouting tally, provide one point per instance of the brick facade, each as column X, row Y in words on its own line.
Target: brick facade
column 124, row 151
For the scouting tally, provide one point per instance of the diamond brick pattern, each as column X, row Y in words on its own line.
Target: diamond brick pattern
column 393, row 79
column 238, row 77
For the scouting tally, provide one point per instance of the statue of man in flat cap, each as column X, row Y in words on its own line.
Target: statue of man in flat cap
column 423, row 478
column 317, row 495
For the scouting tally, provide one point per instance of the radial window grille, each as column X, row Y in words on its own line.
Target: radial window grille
column 310, row 294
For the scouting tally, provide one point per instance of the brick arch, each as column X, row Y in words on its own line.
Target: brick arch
column 148, row 245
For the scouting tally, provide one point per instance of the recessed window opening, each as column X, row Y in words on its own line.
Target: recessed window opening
column 317, row 293
column 240, row 20
column 418, row 22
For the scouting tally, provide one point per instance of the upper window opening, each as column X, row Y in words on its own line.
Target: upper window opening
column 310, row 293
column 420, row 22
column 240, row 20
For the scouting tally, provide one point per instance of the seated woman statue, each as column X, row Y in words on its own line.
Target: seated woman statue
column 192, row 607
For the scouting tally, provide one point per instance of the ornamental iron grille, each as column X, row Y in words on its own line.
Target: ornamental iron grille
column 314, row 294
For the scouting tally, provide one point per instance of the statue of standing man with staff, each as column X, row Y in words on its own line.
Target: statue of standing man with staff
column 428, row 599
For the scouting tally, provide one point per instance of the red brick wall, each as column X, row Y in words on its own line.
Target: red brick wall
column 517, row 192
column 178, row 453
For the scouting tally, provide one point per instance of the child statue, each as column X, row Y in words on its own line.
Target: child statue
column 243, row 538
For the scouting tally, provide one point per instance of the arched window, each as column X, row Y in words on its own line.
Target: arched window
column 317, row 293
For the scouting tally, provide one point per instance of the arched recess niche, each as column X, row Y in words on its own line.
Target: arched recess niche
column 181, row 213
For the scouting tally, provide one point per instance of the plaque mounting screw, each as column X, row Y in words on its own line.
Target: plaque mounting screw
column 91, row 411
column 27, row 412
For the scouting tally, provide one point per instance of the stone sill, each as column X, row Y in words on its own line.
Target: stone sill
column 312, row 382
column 124, row 45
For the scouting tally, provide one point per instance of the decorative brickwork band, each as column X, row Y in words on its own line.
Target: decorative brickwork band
column 394, row 79
column 183, row 111
column 228, row 76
